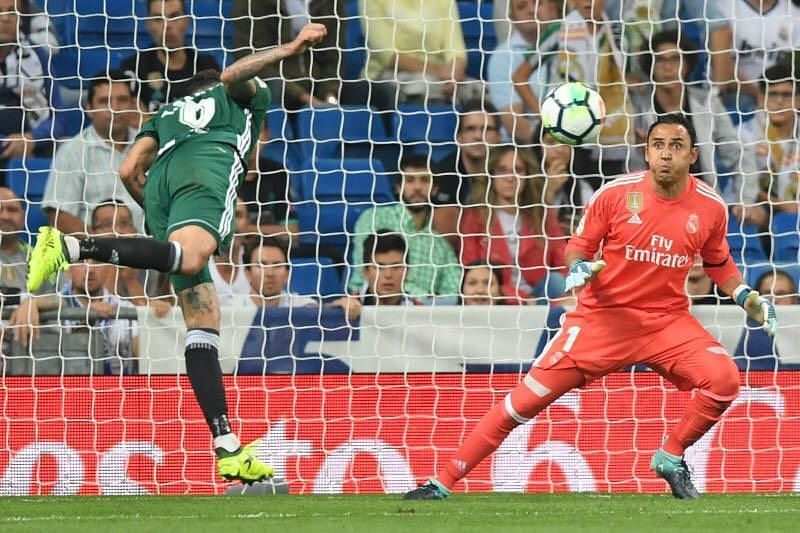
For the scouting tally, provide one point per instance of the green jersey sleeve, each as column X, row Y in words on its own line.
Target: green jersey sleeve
column 262, row 99
column 150, row 129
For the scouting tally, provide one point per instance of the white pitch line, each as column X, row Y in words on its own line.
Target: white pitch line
column 263, row 515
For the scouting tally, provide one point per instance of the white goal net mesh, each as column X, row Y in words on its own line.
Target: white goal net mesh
column 398, row 257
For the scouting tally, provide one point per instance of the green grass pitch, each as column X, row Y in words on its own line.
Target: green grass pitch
column 491, row 512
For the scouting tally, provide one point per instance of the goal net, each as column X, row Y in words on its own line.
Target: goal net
column 372, row 140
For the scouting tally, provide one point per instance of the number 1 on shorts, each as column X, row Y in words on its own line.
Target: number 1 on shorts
column 572, row 334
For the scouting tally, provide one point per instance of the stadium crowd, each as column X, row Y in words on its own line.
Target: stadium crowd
column 404, row 155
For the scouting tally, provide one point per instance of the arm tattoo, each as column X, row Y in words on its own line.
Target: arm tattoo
column 249, row 66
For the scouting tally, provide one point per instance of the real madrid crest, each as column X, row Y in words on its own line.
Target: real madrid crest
column 692, row 223
column 634, row 201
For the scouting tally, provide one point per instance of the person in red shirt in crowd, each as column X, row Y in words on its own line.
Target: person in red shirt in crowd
column 509, row 226
column 647, row 228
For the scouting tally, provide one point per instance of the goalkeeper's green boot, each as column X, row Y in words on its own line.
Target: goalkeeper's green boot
column 47, row 258
column 243, row 465
column 675, row 471
column 432, row 490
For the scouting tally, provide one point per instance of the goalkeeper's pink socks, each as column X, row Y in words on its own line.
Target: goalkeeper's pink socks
column 539, row 389
column 487, row 436
column 701, row 414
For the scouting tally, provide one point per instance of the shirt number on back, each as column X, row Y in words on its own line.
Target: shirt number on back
column 197, row 115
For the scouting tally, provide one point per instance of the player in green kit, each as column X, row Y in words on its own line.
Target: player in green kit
column 185, row 168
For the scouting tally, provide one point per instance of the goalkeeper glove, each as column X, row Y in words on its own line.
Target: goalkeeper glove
column 757, row 307
column 582, row 272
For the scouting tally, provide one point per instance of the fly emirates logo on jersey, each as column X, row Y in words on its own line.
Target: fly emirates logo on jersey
column 659, row 253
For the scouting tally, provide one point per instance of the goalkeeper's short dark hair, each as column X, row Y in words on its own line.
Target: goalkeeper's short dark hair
column 202, row 80
column 383, row 241
column 675, row 118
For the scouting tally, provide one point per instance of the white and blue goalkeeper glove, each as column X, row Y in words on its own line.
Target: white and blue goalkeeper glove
column 582, row 272
column 757, row 307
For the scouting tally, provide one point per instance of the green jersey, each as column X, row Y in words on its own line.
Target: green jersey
column 210, row 115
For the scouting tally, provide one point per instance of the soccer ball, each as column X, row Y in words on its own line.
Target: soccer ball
column 573, row 113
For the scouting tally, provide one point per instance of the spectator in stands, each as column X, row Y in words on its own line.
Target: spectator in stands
column 384, row 270
column 704, row 20
column 668, row 66
column 523, row 60
column 163, row 72
column 268, row 271
column 312, row 78
column 510, row 227
column 35, row 25
column 417, row 47
column 591, row 52
column 28, row 95
column 13, row 252
column 780, row 287
column 564, row 192
column 701, row 289
column 481, row 284
column 86, row 289
column 14, row 267
column 775, row 132
column 757, row 350
column 85, row 169
column 434, row 273
column 227, row 269
column 765, row 34
column 266, row 193
column 478, row 128
column 140, row 287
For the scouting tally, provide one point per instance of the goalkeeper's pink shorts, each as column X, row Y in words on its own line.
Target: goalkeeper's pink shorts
column 598, row 342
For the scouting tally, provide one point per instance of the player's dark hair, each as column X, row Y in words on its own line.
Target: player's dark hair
column 202, row 80
column 265, row 242
column 675, row 118
column 777, row 274
column 116, row 202
column 779, row 74
column 108, row 76
column 479, row 106
column 381, row 242
column 151, row 2
column 688, row 49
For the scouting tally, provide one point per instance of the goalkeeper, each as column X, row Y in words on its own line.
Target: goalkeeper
column 648, row 226
column 185, row 169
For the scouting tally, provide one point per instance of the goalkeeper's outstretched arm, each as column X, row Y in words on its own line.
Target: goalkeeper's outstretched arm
column 238, row 78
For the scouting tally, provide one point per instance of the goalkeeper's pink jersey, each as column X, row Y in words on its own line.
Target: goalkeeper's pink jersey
column 649, row 242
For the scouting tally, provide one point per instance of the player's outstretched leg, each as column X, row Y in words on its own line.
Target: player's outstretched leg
column 54, row 251
column 539, row 389
column 717, row 378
